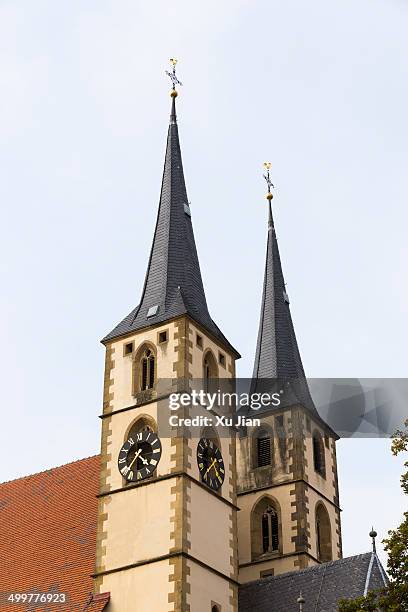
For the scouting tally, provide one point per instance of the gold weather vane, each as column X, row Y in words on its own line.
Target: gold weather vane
column 173, row 77
column 268, row 166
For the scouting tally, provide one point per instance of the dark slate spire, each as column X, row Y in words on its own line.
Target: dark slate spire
column 173, row 284
column 277, row 354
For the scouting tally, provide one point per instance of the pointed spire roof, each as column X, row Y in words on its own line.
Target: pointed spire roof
column 173, row 285
column 277, row 354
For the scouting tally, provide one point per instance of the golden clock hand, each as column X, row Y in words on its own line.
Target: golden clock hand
column 134, row 458
column 209, row 468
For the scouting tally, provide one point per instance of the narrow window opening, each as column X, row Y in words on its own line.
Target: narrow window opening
column 319, row 454
column 128, row 348
column 163, row 337
column 265, row 532
column 148, row 370
column 221, row 359
column 270, row 530
column 207, row 376
column 199, row 341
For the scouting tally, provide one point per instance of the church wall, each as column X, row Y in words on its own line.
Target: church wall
column 314, row 498
column 145, row 589
column 164, row 515
column 140, row 520
column 325, row 484
column 196, row 366
column 280, row 566
column 209, row 524
column 247, row 503
column 121, row 374
column 248, row 475
column 206, row 589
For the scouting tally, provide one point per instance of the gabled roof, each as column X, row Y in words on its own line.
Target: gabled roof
column 322, row 586
column 48, row 534
column 173, row 284
column 277, row 354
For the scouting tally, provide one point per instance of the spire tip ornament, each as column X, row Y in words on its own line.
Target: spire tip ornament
column 173, row 78
column 373, row 534
column 268, row 166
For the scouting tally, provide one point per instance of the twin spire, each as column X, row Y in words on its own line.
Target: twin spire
column 173, row 285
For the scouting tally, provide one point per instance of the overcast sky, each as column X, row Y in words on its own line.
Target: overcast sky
column 318, row 88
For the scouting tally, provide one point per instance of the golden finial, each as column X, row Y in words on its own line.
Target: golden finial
column 173, row 77
column 268, row 166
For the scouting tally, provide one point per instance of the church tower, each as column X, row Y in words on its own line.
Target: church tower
column 286, row 469
column 166, row 525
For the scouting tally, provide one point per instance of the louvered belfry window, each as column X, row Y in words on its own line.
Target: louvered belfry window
column 270, row 530
column 263, row 449
column 148, row 370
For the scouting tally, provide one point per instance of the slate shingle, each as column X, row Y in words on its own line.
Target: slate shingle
column 277, row 354
column 321, row 585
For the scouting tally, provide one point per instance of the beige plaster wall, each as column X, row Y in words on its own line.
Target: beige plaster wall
column 210, row 529
column 141, row 589
column 280, row 566
column 138, row 522
column 121, row 373
column 323, row 484
column 196, row 367
column 207, row 588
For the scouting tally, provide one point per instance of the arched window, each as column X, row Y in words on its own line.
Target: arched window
column 215, row 608
column 263, row 448
column 319, row 459
column 323, row 534
column 144, row 373
column 148, row 370
column 265, row 528
column 142, row 423
column 210, row 372
column 270, row 530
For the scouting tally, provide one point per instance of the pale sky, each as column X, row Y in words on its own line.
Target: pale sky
column 318, row 88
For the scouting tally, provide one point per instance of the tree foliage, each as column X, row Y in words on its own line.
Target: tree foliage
column 394, row 597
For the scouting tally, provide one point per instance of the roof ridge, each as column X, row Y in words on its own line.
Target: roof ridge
column 57, row 467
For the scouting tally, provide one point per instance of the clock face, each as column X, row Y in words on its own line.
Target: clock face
column 210, row 463
column 139, row 456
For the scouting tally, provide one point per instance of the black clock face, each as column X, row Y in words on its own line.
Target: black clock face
column 139, row 456
column 210, row 463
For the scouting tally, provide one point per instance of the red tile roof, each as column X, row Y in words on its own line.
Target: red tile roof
column 97, row 603
column 48, row 535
